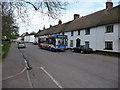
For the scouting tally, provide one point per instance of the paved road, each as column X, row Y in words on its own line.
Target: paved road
column 11, row 66
column 69, row 70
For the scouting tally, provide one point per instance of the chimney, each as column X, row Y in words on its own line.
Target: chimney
column 39, row 30
column 26, row 33
column 76, row 16
column 109, row 4
column 43, row 27
column 50, row 25
column 59, row 22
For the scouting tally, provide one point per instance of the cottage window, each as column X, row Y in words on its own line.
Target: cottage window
column 87, row 44
column 39, row 40
column 109, row 28
column 109, row 45
column 78, row 32
column 72, row 33
column 87, row 31
column 71, row 43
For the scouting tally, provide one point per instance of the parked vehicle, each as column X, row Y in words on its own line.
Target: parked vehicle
column 82, row 49
column 35, row 43
column 21, row 45
column 53, row 42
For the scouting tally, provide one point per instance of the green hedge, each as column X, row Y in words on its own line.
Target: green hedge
column 0, row 52
column 5, row 48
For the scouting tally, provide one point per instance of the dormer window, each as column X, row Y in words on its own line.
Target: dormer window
column 87, row 31
column 72, row 33
column 78, row 32
column 109, row 29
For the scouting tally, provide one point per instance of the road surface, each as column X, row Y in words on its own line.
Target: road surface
column 66, row 70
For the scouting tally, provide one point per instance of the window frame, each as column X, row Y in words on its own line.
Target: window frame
column 108, row 46
column 110, row 28
column 88, row 44
column 87, row 31
column 72, row 33
column 78, row 32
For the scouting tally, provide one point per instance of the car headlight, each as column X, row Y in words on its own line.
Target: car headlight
column 66, row 46
column 56, row 46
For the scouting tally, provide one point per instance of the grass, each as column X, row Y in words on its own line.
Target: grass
column 5, row 49
column 0, row 52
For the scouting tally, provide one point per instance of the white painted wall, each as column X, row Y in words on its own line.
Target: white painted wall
column 97, row 38
column 118, row 37
column 102, row 36
column 36, row 39
column 26, row 38
column 29, row 38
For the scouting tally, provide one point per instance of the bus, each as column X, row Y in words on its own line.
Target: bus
column 53, row 42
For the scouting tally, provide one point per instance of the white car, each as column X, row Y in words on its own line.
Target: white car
column 21, row 45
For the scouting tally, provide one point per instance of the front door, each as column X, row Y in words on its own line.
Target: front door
column 78, row 42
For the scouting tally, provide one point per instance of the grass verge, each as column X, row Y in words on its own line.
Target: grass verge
column 0, row 52
column 5, row 49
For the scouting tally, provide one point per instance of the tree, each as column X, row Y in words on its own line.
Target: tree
column 9, row 9
column 9, row 29
column 50, row 7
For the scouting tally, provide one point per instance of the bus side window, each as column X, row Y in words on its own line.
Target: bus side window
column 47, row 40
column 53, row 41
column 59, row 42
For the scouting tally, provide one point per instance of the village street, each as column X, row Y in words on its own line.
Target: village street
column 59, row 69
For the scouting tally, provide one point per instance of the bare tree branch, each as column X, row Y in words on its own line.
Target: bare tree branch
column 30, row 4
column 19, row 9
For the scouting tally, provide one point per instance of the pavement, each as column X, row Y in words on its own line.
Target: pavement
column 11, row 66
column 0, row 75
column 59, row 69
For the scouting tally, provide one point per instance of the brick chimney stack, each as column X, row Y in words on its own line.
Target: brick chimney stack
column 109, row 4
column 39, row 30
column 43, row 27
column 50, row 25
column 76, row 16
column 59, row 22
column 26, row 33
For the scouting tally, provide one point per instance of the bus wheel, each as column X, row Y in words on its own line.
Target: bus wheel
column 52, row 49
column 41, row 47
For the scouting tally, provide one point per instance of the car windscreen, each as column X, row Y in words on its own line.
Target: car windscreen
column 20, row 42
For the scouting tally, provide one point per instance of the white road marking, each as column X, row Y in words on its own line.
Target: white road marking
column 25, row 60
column 51, row 78
column 27, row 73
column 29, row 80
column 14, row 75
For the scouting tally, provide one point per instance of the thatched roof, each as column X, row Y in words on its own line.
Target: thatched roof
column 103, row 17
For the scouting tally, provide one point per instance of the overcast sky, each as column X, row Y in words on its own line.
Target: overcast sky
column 82, row 7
